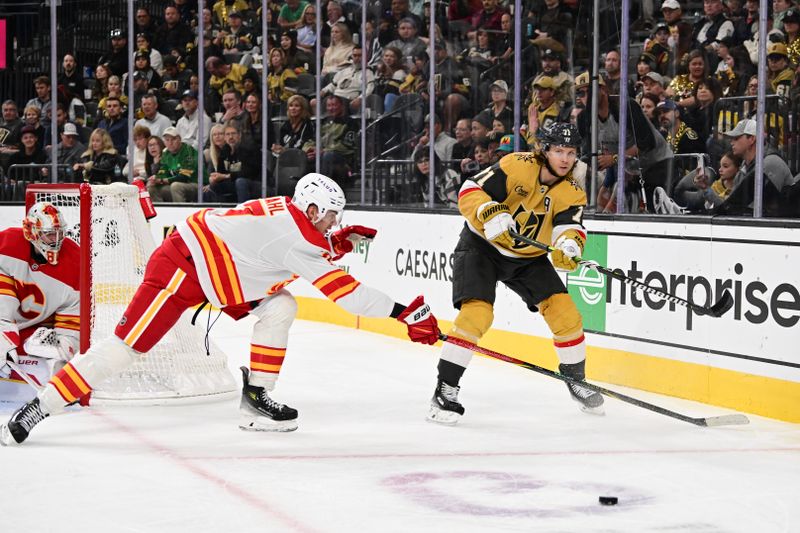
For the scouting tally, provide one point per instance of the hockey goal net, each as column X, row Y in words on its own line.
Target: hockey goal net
column 114, row 253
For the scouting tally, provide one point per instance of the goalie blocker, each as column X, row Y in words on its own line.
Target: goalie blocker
column 220, row 255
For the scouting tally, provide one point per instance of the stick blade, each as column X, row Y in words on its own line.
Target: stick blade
column 726, row 420
column 721, row 307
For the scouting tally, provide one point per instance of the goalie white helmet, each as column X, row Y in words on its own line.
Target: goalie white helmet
column 321, row 191
column 44, row 228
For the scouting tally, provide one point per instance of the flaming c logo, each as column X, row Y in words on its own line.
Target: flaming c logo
column 31, row 299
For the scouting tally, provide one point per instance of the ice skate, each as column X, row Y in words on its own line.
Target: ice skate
column 445, row 408
column 259, row 412
column 19, row 426
column 590, row 401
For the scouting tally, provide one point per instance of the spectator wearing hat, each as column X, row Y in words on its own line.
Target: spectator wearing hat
column 174, row 82
column 505, row 147
column 155, row 121
column 776, row 174
column 30, row 153
column 297, row 59
column 115, row 124
column 68, row 151
column 188, row 125
column 682, row 138
column 658, row 46
column 173, row 33
column 141, row 63
column 780, row 75
column 791, row 27
column 498, row 104
column 680, row 31
column 443, row 144
column 141, row 88
column 551, row 66
column 117, row 59
column 290, row 17
column 236, row 39
column 143, row 44
column 178, row 170
column 544, row 108
column 653, row 85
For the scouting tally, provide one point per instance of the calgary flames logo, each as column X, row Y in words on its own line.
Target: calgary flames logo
column 31, row 299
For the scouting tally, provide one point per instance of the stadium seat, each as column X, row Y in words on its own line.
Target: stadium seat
column 290, row 167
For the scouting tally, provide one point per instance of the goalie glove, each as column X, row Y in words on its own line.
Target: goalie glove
column 343, row 241
column 9, row 340
column 48, row 344
column 568, row 245
column 496, row 220
column 422, row 325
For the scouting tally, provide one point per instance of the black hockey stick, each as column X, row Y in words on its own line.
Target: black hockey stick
column 711, row 421
column 724, row 303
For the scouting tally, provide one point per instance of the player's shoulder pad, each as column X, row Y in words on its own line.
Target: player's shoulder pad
column 520, row 167
column 568, row 193
column 14, row 244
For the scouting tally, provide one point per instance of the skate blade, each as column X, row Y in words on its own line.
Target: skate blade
column 596, row 411
column 6, row 438
column 445, row 418
column 249, row 423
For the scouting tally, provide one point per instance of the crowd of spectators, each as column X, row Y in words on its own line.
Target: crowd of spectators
column 687, row 97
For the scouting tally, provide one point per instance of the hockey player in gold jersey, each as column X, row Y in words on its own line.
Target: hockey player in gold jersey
column 534, row 194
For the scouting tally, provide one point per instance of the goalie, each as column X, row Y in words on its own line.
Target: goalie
column 233, row 258
column 39, row 300
column 534, row 194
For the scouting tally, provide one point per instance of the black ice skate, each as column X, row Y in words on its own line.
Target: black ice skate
column 259, row 412
column 445, row 408
column 19, row 426
column 590, row 401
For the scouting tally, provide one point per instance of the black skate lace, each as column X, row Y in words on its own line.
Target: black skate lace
column 449, row 392
column 30, row 416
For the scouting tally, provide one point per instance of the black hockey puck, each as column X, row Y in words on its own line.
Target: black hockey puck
column 608, row 500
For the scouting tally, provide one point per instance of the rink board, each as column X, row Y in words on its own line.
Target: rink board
column 746, row 360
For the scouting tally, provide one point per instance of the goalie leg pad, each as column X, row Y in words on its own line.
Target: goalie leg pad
column 84, row 372
column 565, row 321
column 270, row 338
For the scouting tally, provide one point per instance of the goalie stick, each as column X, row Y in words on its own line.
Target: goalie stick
column 711, row 421
column 719, row 308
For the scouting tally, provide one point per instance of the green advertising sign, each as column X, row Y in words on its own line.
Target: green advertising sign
column 588, row 287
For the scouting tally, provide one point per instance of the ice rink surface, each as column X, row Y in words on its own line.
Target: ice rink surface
column 523, row 458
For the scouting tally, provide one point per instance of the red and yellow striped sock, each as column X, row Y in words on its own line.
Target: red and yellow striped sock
column 70, row 384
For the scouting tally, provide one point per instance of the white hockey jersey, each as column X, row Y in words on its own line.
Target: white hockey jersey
column 33, row 293
column 249, row 252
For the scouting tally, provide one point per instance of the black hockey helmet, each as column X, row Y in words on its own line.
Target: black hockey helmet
column 559, row 134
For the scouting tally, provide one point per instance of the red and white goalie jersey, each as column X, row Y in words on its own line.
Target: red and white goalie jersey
column 252, row 251
column 34, row 294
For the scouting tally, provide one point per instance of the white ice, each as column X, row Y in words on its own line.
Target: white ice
column 364, row 459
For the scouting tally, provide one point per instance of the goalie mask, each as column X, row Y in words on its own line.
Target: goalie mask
column 558, row 134
column 44, row 228
column 321, row 191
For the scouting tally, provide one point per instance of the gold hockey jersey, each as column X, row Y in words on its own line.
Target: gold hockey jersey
column 541, row 212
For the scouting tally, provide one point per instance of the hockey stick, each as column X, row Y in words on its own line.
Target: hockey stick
column 15, row 367
column 724, row 303
column 712, row 421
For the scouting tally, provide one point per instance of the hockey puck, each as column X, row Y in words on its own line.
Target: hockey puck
column 608, row 500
